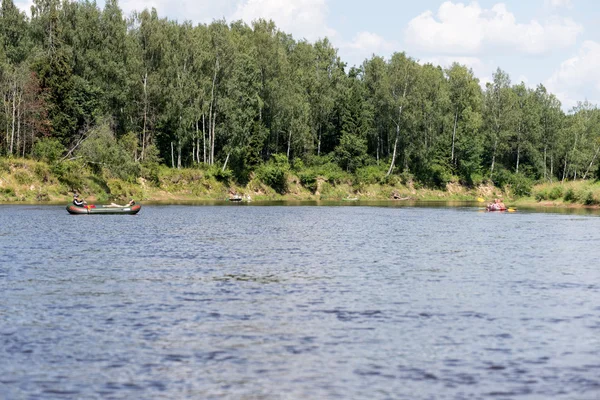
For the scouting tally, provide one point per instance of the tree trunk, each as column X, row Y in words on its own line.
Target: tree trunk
column 378, row 145
column 212, row 144
column 518, row 156
column 179, row 154
column 145, row 116
column 591, row 162
column 172, row 157
column 6, row 112
column 565, row 169
column 14, row 110
column 398, row 127
column 289, row 144
column 197, row 143
column 211, row 116
column 494, row 157
column 454, row 135
column 226, row 160
column 319, row 142
column 19, row 129
column 545, row 162
column 395, row 149
column 518, row 148
column 203, row 138
column 194, row 150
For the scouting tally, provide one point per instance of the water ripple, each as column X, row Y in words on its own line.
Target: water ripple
column 299, row 302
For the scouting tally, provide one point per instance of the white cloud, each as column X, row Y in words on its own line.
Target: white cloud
column 302, row 18
column 559, row 3
column 481, row 70
column 363, row 46
column 24, row 5
column 577, row 78
column 197, row 11
column 470, row 29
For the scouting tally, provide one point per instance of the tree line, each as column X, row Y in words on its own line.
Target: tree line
column 233, row 96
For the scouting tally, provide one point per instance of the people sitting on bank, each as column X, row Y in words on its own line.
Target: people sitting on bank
column 78, row 201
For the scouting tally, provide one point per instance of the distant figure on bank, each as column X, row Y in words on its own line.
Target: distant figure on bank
column 78, row 201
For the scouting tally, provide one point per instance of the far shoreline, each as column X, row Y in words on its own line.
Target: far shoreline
column 523, row 203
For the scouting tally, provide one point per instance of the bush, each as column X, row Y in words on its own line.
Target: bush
column 556, row 193
column 520, row 184
column 590, row 200
column 4, row 165
column 101, row 151
column 541, row 195
column 370, row 175
column 47, row 149
column 440, row 176
column 68, row 173
column 275, row 173
column 570, row 195
column 219, row 175
column 308, row 179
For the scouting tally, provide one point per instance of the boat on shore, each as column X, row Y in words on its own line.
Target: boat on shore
column 103, row 209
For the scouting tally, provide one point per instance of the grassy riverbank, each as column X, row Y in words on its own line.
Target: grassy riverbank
column 24, row 180
column 28, row 181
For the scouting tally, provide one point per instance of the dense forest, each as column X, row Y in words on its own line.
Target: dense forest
column 90, row 85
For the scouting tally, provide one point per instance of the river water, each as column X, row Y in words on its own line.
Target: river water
column 346, row 302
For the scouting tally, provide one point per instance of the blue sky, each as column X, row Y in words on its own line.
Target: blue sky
column 553, row 42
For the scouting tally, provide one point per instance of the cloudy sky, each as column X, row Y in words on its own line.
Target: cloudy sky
column 554, row 42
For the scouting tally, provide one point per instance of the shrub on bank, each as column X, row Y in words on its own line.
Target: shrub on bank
column 369, row 175
column 48, row 150
column 517, row 184
column 274, row 173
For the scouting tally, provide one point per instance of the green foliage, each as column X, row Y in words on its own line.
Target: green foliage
column 48, row 149
column 70, row 174
column 556, row 193
column 571, row 195
column 180, row 94
column 518, row 184
column 369, row 175
column 4, row 165
column 220, row 175
column 120, row 190
column 275, row 173
column 590, row 199
column 103, row 152
column 7, row 193
column 42, row 172
column 351, row 153
column 308, row 179
column 22, row 177
column 541, row 195
column 439, row 175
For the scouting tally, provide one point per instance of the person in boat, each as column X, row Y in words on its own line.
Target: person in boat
column 131, row 203
column 497, row 205
column 78, row 201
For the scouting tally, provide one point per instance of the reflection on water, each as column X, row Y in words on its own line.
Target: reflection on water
column 389, row 300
